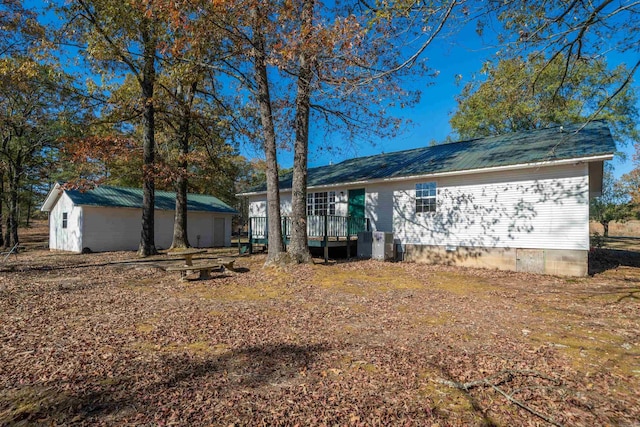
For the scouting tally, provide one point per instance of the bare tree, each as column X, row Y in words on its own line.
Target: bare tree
column 575, row 30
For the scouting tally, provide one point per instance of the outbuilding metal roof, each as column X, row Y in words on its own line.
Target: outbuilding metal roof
column 121, row 197
column 536, row 146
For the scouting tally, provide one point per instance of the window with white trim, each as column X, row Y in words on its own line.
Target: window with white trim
column 64, row 219
column 321, row 203
column 426, row 193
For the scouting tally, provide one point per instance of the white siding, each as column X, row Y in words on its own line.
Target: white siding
column 258, row 204
column 162, row 228
column 119, row 229
column 70, row 238
column 546, row 208
column 342, row 205
column 538, row 208
column 199, row 229
column 285, row 204
column 202, row 224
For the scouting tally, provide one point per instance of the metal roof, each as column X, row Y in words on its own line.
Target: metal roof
column 517, row 148
column 121, row 197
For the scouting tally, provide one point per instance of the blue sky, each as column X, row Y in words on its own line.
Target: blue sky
column 463, row 54
column 451, row 54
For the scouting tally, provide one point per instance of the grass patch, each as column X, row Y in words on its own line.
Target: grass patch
column 594, row 351
column 148, row 325
column 259, row 292
column 141, row 285
column 623, row 243
column 349, row 364
column 440, row 319
column 589, row 347
column 364, row 282
column 27, row 405
column 364, row 365
column 446, row 398
column 274, row 284
column 461, row 284
column 359, row 308
column 460, row 406
column 145, row 328
column 629, row 294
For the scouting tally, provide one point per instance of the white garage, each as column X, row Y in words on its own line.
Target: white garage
column 110, row 219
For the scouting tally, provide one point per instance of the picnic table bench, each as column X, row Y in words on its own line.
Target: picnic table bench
column 205, row 269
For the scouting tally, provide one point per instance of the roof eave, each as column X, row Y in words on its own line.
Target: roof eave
column 574, row 160
column 52, row 198
column 223, row 212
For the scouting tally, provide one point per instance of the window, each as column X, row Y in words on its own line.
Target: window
column 426, row 197
column 323, row 203
column 64, row 220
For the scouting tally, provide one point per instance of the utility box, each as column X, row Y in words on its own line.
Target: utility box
column 365, row 241
column 383, row 247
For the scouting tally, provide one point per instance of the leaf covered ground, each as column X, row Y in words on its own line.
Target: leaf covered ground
column 103, row 339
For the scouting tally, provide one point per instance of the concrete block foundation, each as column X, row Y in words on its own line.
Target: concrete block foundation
column 562, row 262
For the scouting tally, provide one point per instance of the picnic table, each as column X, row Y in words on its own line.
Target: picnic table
column 205, row 269
column 186, row 254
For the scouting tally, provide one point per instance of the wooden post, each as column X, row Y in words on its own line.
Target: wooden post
column 265, row 228
column 250, row 237
column 326, row 239
column 348, row 239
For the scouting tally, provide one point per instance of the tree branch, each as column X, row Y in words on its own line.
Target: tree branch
column 505, row 376
column 525, row 407
column 413, row 58
column 93, row 20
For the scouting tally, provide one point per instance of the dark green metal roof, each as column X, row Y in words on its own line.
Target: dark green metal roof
column 132, row 198
column 541, row 145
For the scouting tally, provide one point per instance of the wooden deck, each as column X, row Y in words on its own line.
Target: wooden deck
column 323, row 231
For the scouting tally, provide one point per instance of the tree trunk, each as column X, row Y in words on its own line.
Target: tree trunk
column 12, row 220
column 605, row 228
column 298, row 248
column 274, row 221
column 147, row 83
column 29, row 206
column 2, row 241
column 180, row 237
column 7, row 234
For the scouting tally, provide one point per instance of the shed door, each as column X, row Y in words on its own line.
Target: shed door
column 218, row 232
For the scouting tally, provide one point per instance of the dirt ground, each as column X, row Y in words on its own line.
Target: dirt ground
column 106, row 339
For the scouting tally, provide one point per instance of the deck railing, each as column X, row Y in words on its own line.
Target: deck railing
column 318, row 226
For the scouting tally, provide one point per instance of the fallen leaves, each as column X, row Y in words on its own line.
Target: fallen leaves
column 94, row 339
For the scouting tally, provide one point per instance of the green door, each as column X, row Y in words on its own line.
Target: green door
column 357, row 221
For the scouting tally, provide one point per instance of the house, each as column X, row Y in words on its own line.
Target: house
column 517, row 201
column 110, row 219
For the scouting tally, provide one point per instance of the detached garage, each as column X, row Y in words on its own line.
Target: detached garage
column 110, row 219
